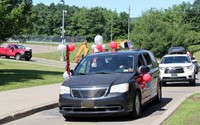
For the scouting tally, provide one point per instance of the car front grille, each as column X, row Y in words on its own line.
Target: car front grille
column 28, row 53
column 88, row 92
column 174, row 70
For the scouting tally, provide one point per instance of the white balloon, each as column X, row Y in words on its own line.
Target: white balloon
column 98, row 39
column 66, row 76
column 96, row 50
column 104, row 46
column 93, row 47
column 61, row 47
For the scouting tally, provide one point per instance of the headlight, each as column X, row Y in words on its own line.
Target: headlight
column 162, row 68
column 121, row 88
column 64, row 90
column 188, row 67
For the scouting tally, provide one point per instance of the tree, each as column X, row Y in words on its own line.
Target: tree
column 15, row 17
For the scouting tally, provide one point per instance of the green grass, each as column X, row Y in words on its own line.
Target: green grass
column 56, row 55
column 197, row 56
column 187, row 114
column 14, row 75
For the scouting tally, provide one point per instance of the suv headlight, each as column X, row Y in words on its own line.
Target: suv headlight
column 64, row 90
column 188, row 67
column 121, row 88
column 162, row 68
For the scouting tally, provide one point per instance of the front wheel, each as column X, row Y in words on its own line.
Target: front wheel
column 193, row 82
column 18, row 57
column 27, row 59
column 136, row 106
column 158, row 98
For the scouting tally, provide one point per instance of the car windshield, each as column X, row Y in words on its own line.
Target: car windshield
column 175, row 59
column 21, row 46
column 105, row 64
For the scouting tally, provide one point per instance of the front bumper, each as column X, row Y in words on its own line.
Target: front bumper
column 109, row 105
column 175, row 77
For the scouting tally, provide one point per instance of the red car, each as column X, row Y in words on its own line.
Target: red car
column 14, row 51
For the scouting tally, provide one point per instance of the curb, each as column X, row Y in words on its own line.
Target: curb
column 164, row 116
column 27, row 112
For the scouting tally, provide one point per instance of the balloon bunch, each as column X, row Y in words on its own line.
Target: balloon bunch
column 143, row 80
column 98, row 46
column 68, row 48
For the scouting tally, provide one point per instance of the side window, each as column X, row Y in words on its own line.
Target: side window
column 140, row 61
column 154, row 61
column 148, row 60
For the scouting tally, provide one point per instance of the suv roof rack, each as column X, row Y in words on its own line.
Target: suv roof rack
column 177, row 50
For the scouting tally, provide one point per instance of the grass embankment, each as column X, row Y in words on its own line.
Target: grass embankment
column 187, row 114
column 14, row 75
column 56, row 55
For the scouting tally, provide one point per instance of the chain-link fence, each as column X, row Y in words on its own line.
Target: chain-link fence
column 32, row 38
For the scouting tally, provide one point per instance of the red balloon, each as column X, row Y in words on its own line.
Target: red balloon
column 113, row 45
column 146, row 77
column 143, row 85
column 71, row 47
column 99, row 47
column 139, row 80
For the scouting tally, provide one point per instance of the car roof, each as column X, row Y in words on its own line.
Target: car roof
column 133, row 52
column 170, row 55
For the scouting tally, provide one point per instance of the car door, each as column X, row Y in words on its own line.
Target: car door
column 10, row 50
column 146, row 93
column 154, row 72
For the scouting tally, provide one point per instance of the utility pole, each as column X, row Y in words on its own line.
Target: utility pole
column 129, row 22
column 63, row 26
column 111, row 27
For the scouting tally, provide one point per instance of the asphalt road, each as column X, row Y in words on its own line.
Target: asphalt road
column 172, row 93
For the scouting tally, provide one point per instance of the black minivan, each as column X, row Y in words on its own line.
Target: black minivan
column 106, row 84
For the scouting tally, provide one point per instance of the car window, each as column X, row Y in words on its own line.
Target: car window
column 148, row 60
column 175, row 59
column 105, row 64
column 140, row 61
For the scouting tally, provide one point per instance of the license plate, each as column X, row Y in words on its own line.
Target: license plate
column 174, row 75
column 87, row 104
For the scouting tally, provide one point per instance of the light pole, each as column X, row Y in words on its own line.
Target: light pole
column 129, row 23
column 63, row 30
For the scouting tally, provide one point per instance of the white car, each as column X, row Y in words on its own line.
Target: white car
column 177, row 67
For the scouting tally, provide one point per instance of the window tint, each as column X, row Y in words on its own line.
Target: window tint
column 140, row 61
column 175, row 59
column 148, row 60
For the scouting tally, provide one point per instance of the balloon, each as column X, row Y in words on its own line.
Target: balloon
column 104, row 46
column 61, row 47
column 99, row 47
column 139, row 80
column 98, row 39
column 96, row 50
column 143, row 85
column 113, row 45
column 146, row 77
column 66, row 76
column 93, row 47
column 71, row 47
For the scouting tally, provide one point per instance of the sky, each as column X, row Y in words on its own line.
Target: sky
column 136, row 6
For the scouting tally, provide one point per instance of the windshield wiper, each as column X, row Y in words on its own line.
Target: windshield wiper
column 103, row 73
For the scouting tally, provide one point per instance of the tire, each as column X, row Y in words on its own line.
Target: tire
column 193, row 82
column 17, row 56
column 27, row 59
column 158, row 98
column 136, row 106
column 67, row 118
column 163, row 83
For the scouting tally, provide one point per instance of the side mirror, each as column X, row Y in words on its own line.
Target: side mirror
column 194, row 61
column 71, row 71
column 143, row 69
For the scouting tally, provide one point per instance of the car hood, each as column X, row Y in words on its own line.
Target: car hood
column 175, row 65
column 98, row 80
